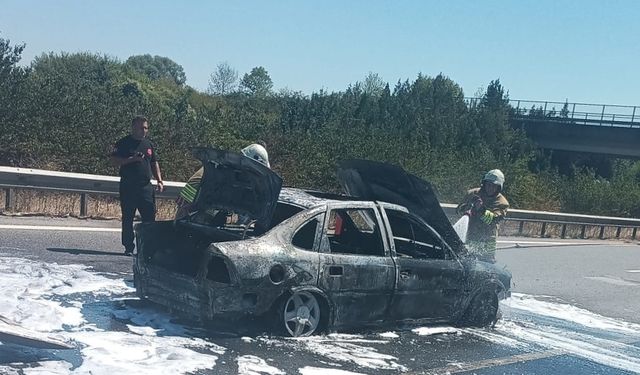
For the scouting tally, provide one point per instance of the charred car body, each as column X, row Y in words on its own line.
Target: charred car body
column 311, row 261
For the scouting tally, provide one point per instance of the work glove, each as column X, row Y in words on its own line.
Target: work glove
column 477, row 207
column 487, row 217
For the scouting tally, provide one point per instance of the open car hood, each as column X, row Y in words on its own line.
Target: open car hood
column 377, row 181
column 235, row 183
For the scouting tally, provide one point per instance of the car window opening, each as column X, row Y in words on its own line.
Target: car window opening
column 354, row 231
column 218, row 271
column 413, row 239
column 305, row 235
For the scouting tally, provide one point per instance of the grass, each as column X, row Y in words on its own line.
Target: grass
column 48, row 203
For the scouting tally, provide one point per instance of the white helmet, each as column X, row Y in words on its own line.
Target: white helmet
column 494, row 176
column 258, row 153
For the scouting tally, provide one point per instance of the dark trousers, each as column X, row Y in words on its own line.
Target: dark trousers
column 132, row 198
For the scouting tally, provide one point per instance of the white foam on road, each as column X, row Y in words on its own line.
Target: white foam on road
column 390, row 335
column 343, row 348
column 31, row 295
column 28, row 291
column 48, row 368
column 125, row 353
column 590, row 347
column 252, row 365
column 6, row 370
column 53, row 299
column 602, row 340
column 429, row 331
column 568, row 313
column 308, row 370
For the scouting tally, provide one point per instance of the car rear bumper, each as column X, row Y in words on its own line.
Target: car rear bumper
column 198, row 299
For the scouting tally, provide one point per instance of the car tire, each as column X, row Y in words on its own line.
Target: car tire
column 300, row 314
column 483, row 311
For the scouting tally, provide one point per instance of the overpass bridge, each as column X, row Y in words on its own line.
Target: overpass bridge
column 579, row 127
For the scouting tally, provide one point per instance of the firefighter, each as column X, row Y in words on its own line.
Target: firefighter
column 486, row 207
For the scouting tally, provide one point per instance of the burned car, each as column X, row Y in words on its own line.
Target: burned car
column 384, row 253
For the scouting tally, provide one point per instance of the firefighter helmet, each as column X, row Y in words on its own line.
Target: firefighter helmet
column 494, row 176
column 258, row 153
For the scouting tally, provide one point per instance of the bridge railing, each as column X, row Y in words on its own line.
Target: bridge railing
column 577, row 113
column 83, row 184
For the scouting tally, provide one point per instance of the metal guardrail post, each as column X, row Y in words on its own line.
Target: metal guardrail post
column 83, row 204
column 573, row 110
column 583, row 229
column 564, row 231
column 9, row 199
column 618, row 231
column 633, row 234
column 601, row 235
column 602, row 115
column 544, row 229
column 633, row 115
column 520, row 228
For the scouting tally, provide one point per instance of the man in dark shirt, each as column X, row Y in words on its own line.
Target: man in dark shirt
column 136, row 157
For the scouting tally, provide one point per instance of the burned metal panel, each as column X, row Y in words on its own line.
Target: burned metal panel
column 268, row 266
column 172, row 290
column 300, row 198
column 482, row 274
column 13, row 333
column 428, row 288
column 235, row 183
column 360, row 287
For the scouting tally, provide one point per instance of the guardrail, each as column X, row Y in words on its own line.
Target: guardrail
column 577, row 113
column 24, row 178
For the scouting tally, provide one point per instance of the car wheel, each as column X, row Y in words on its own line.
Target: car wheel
column 300, row 314
column 483, row 310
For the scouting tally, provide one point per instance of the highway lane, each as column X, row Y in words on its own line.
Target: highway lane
column 566, row 291
column 601, row 277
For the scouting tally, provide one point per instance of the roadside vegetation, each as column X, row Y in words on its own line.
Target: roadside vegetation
column 64, row 111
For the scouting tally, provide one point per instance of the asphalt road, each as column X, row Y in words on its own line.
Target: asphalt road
column 601, row 277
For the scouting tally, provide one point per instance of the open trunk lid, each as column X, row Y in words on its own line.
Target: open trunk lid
column 236, row 183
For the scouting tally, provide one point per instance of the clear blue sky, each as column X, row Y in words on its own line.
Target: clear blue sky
column 584, row 51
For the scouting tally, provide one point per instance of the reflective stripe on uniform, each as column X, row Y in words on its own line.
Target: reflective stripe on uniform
column 188, row 193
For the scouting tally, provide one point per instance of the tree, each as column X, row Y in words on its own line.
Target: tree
column 223, row 80
column 257, row 82
column 373, row 84
column 9, row 57
column 14, row 101
column 157, row 67
column 564, row 112
column 495, row 97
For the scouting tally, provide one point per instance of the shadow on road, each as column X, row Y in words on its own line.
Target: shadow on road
column 84, row 251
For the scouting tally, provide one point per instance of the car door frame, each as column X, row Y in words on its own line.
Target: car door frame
column 361, row 286
column 420, row 281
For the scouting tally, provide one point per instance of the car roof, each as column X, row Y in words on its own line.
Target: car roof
column 311, row 198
